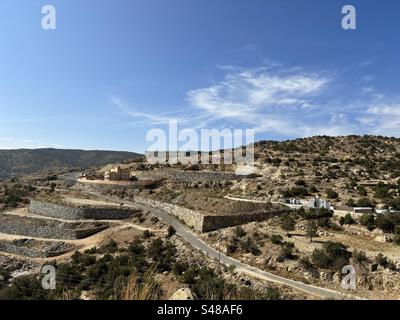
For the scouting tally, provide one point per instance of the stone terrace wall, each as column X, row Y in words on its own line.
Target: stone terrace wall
column 187, row 176
column 190, row 217
column 211, row 223
column 201, row 222
column 47, row 232
column 196, row 219
column 66, row 212
column 51, row 251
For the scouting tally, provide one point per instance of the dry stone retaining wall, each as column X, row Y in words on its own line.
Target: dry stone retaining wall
column 190, row 217
column 188, row 176
column 66, row 212
column 198, row 220
column 47, row 232
column 202, row 222
column 19, row 247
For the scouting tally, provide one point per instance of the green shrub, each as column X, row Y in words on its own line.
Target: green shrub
column 110, row 247
column 239, row 232
column 382, row 191
column 332, row 256
column 365, row 202
column 331, row 194
column 190, row 275
column 368, row 220
column 350, row 203
column 276, row 239
column 384, row 262
column 286, row 251
column 347, row 219
column 287, row 223
column 154, row 220
column 313, row 214
column 171, row 231
column 311, row 229
column 163, row 255
column 295, row 192
column 147, row 234
column 300, row 183
column 208, row 285
column 25, row 288
column 249, row 246
column 384, row 223
column 362, row 191
column 179, row 268
column 359, row 256
column 232, row 247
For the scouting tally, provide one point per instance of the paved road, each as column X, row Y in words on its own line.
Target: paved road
column 197, row 243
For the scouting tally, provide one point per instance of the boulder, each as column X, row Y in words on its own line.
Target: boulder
column 382, row 239
column 182, row 294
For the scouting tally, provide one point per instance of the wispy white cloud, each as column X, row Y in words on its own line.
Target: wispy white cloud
column 287, row 101
column 384, row 118
column 259, row 97
column 295, row 103
column 385, row 110
column 143, row 117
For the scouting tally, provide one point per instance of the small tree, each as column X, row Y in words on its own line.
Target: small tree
column 368, row 220
column 332, row 194
column 288, row 224
column 350, row 203
column 347, row 219
column 53, row 187
column 276, row 239
column 300, row 183
column 171, row 231
column 239, row 232
column 311, row 230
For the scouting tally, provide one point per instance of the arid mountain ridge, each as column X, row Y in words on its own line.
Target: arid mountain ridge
column 27, row 161
column 373, row 152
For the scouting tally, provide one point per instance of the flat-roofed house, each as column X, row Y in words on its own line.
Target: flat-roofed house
column 118, row 174
column 318, row 203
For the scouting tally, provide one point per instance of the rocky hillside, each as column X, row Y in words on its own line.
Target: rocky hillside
column 26, row 161
column 343, row 169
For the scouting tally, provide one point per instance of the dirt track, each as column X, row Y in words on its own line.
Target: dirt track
column 82, row 244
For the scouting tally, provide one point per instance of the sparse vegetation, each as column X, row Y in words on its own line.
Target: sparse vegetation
column 332, row 256
column 331, row 194
column 311, row 230
column 347, row 219
column 287, row 223
column 368, row 220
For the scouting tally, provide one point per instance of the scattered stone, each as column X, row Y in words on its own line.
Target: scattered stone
column 182, row 294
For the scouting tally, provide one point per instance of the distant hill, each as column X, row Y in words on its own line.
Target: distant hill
column 27, row 161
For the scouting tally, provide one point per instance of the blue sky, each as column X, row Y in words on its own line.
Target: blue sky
column 112, row 70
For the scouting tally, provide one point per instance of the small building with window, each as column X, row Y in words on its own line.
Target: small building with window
column 318, row 203
column 118, row 174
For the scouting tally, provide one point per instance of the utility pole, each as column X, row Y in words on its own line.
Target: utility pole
column 219, row 251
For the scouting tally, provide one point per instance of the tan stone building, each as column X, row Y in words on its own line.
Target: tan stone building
column 118, row 174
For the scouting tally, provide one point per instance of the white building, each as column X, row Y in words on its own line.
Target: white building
column 363, row 210
column 385, row 211
column 317, row 203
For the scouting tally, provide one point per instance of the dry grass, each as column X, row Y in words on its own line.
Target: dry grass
column 146, row 288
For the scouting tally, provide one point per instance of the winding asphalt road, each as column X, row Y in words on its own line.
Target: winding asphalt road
column 184, row 232
column 197, row 243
